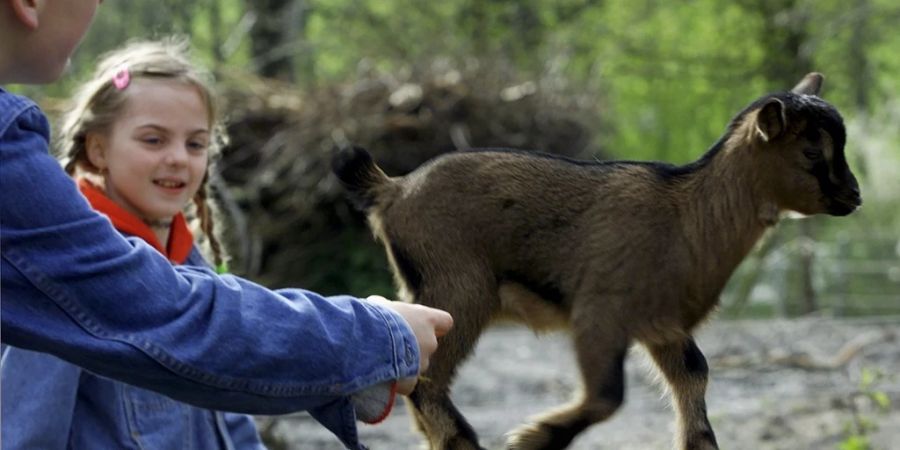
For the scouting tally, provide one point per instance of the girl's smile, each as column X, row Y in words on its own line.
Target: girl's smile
column 173, row 186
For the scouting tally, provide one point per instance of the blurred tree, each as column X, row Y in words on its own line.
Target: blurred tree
column 273, row 36
column 860, row 36
column 216, row 31
column 784, row 38
column 181, row 15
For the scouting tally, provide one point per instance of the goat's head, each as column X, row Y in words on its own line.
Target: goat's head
column 800, row 140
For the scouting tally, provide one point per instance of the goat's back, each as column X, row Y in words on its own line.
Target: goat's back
column 529, row 215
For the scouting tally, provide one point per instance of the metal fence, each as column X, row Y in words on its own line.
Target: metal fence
column 848, row 276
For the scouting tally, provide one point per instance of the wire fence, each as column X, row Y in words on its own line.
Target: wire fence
column 846, row 277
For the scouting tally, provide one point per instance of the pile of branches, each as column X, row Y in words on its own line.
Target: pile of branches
column 289, row 222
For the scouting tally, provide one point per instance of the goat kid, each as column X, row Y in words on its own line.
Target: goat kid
column 617, row 252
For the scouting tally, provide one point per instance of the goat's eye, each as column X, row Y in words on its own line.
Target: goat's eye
column 812, row 154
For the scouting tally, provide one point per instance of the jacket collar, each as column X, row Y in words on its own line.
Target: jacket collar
column 181, row 241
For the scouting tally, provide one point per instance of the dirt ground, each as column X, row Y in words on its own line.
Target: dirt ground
column 775, row 385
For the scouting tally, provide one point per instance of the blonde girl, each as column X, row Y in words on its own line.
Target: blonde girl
column 158, row 72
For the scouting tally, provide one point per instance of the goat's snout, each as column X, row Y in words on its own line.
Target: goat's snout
column 846, row 199
column 840, row 209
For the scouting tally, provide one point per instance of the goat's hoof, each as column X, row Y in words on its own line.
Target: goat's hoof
column 702, row 446
column 530, row 436
column 455, row 443
column 702, row 440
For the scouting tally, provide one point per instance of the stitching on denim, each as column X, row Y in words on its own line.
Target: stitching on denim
column 393, row 330
column 128, row 408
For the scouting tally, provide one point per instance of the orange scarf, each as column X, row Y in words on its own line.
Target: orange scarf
column 181, row 241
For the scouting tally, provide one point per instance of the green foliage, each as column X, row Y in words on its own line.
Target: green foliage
column 868, row 382
column 855, row 443
column 862, row 424
column 672, row 73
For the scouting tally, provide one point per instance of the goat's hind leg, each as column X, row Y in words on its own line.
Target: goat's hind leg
column 601, row 357
column 686, row 372
column 469, row 302
column 437, row 417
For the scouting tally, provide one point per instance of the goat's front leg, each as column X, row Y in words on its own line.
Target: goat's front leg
column 600, row 351
column 686, row 372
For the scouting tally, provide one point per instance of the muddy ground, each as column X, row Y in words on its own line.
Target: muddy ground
column 775, row 385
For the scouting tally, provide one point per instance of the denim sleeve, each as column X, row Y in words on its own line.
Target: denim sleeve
column 39, row 392
column 73, row 287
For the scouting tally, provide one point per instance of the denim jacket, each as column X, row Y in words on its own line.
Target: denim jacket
column 50, row 404
column 216, row 342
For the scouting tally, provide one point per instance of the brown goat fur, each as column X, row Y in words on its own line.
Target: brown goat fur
column 617, row 252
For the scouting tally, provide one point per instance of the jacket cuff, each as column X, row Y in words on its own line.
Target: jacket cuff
column 374, row 404
column 405, row 348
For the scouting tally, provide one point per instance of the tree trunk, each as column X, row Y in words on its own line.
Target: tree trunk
column 271, row 38
column 857, row 56
column 806, row 261
column 215, row 31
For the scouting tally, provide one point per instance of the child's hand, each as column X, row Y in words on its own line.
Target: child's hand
column 427, row 325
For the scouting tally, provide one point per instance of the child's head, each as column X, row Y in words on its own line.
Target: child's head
column 143, row 128
column 38, row 37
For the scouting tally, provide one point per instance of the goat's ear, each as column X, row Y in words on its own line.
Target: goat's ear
column 811, row 84
column 770, row 120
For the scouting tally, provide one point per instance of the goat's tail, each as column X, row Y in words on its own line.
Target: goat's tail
column 359, row 174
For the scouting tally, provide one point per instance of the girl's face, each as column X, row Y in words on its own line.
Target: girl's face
column 154, row 156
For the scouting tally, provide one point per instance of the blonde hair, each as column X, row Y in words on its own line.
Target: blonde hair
column 99, row 102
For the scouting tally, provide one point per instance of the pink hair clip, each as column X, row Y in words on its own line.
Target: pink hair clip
column 121, row 78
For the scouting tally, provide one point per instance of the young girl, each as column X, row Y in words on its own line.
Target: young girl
column 138, row 143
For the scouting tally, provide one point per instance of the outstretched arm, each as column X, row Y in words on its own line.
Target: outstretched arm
column 73, row 287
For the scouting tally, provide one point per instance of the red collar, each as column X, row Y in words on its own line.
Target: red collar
column 181, row 241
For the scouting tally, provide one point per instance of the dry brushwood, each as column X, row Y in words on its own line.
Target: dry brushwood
column 299, row 229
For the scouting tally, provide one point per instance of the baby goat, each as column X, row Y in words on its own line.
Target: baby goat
column 617, row 252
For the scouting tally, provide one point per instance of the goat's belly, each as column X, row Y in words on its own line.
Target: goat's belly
column 522, row 305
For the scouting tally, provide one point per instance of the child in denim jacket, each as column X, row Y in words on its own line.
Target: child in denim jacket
column 75, row 288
